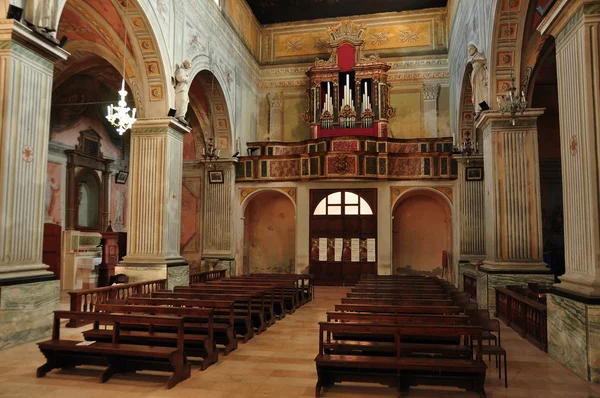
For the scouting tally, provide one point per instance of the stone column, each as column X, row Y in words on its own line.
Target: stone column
column 513, row 220
column 275, row 116
column 218, row 236
column 28, row 292
column 431, row 92
column 154, row 203
column 574, row 305
column 469, row 215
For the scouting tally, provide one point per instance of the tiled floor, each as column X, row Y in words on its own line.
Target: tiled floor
column 279, row 363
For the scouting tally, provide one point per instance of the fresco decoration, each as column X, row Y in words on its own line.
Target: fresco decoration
column 118, row 208
column 195, row 42
column 245, row 23
column 377, row 38
column 52, row 198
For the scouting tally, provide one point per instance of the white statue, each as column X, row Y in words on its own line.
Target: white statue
column 182, row 87
column 43, row 16
column 479, row 77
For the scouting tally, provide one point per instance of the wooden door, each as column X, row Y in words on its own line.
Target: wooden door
column 349, row 216
column 52, row 247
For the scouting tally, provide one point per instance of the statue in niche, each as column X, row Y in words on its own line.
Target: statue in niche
column 182, row 99
column 479, row 77
column 43, row 16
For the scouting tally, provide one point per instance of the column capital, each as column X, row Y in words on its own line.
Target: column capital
column 153, row 126
column 468, row 160
column 12, row 30
column 497, row 120
column 431, row 91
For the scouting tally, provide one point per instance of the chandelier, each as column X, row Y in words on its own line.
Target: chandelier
column 467, row 147
column 210, row 153
column 512, row 102
column 119, row 116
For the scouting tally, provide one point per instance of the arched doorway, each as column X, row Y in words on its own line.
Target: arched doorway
column 421, row 232
column 269, row 234
column 343, row 235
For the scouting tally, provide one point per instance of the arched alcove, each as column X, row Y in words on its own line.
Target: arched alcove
column 421, row 231
column 269, row 233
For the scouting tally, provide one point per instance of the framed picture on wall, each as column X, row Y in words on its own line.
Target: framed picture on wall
column 121, row 177
column 215, row 177
column 474, row 173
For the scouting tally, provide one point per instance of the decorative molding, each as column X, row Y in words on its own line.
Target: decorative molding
column 431, row 92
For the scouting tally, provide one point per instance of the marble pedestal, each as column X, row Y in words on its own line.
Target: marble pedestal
column 26, row 311
column 175, row 274
column 488, row 280
column 574, row 334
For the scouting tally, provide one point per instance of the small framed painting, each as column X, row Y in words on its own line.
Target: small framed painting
column 215, row 177
column 474, row 173
column 121, row 177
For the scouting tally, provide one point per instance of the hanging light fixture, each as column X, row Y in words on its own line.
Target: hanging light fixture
column 512, row 102
column 119, row 115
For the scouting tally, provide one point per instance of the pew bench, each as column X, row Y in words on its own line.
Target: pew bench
column 198, row 330
column 398, row 363
column 224, row 318
column 118, row 357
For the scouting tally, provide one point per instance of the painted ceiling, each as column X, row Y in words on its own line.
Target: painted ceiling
column 276, row 11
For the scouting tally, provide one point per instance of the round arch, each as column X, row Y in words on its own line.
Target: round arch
column 205, row 83
column 146, row 73
column 269, row 236
column 421, row 232
column 251, row 196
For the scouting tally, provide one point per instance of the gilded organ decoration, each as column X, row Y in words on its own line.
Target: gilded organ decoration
column 349, row 93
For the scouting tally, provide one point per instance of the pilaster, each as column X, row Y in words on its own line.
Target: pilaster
column 275, row 116
column 154, row 216
column 26, row 71
column 512, row 187
column 219, row 242
column 28, row 292
column 470, row 206
column 431, row 92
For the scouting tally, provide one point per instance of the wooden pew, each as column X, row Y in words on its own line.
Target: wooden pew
column 261, row 300
column 242, row 303
column 423, row 300
column 274, row 292
column 227, row 320
column 291, row 292
column 198, row 344
column 398, row 309
column 303, row 281
column 378, row 301
column 117, row 356
column 398, row 368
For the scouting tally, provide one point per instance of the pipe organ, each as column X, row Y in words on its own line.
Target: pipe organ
column 348, row 94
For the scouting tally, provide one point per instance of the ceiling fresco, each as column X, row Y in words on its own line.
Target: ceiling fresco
column 276, row 11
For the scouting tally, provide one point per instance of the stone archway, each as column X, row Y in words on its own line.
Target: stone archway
column 421, row 231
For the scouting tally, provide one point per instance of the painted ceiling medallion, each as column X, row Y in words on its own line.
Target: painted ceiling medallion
column 573, row 145
column 27, row 154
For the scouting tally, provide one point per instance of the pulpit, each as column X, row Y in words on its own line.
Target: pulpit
column 349, row 94
column 110, row 256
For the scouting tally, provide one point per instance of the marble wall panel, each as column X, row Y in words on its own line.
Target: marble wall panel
column 178, row 276
column 567, row 335
column 26, row 312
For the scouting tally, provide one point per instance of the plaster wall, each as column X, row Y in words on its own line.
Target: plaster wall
column 269, row 234
column 419, row 235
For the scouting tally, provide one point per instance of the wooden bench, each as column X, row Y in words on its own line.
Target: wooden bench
column 224, row 318
column 398, row 368
column 117, row 356
column 261, row 301
column 243, row 306
column 303, row 282
column 401, row 299
column 291, row 294
column 397, row 302
column 198, row 340
column 398, row 309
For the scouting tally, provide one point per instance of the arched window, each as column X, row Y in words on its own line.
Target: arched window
column 343, row 203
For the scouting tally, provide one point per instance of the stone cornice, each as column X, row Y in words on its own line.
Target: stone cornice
column 14, row 30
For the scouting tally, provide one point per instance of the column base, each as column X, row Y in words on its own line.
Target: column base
column 587, row 287
column 26, row 309
column 176, row 274
column 488, row 280
column 11, row 272
column 574, row 332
